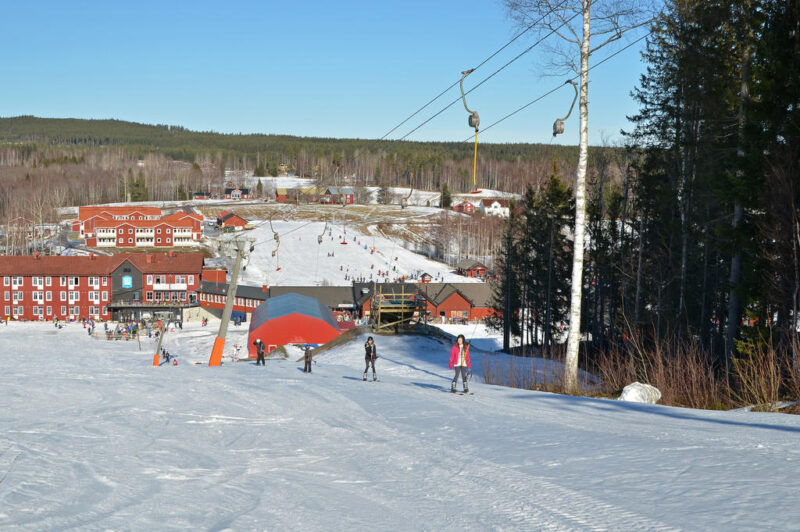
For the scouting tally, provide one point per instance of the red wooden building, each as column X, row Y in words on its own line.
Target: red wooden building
column 459, row 302
column 38, row 287
column 471, row 268
column 132, row 226
column 465, row 207
column 228, row 219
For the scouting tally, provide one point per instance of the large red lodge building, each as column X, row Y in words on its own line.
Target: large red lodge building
column 122, row 286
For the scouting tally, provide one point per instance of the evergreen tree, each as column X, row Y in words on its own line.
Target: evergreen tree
column 445, row 201
column 384, row 195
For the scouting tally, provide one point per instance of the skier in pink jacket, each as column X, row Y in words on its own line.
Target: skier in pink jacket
column 459, row 359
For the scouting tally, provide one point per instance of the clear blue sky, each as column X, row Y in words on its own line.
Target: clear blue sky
column 310, row 68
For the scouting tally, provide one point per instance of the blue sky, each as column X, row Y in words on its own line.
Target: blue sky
column 309, row 68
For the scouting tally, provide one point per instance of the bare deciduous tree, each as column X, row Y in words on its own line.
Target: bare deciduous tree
column 575, row 25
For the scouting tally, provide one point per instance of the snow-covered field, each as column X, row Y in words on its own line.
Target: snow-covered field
column 93, row 437
column 303, row 261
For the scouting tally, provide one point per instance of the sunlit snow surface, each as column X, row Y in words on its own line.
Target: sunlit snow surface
column 92, row 437
column 299, row 260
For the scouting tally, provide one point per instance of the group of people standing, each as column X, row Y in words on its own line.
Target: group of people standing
column 459, row 360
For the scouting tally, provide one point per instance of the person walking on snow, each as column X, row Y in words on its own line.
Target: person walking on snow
column 259, row 352
column 370, row 356
column 459, row 359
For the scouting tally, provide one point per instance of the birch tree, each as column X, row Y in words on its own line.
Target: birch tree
column 576, row 23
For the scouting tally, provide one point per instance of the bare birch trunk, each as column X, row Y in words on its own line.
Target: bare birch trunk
column 574, row 338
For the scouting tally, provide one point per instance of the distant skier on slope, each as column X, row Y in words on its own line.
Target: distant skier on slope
column 459, row 359
column 370, row 355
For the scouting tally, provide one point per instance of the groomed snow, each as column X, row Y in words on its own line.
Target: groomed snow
column 303, row 261
column 93, row 437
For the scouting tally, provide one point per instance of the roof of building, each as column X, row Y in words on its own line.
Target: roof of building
column 339, row 190
column 478, row 294
column 88, row 211
column 244, row 191
column 228, row 216
column 164, row 262
column 56, row 265
column 468, row 264
column 249, row 292
column 292, row 303
column 180, row 215
column 331, row 296
column 488, row 202
column 142, row 223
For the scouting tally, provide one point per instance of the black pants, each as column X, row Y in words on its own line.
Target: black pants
column 463, row 371
column 370, row 361
column 307, row 367
column 260, row 360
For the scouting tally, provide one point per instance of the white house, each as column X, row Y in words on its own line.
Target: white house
column 494, row 207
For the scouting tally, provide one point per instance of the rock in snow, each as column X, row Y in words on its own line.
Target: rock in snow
column 638, row 392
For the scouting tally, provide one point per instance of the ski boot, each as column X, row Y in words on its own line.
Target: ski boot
column 374, row 377
column 365, row 376
column 453, row 387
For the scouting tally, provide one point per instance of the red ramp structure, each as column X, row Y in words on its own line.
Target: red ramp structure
column 291, row 319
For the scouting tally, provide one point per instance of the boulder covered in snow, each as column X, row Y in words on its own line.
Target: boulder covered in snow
column 638, row 392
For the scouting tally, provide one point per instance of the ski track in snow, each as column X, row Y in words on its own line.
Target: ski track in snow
column 93, row 437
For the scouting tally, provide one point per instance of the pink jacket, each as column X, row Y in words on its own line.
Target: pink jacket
column 454, row 356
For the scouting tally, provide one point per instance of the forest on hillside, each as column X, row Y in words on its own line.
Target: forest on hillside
column 423, row 165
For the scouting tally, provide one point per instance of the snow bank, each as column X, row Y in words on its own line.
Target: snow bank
column 638, row 392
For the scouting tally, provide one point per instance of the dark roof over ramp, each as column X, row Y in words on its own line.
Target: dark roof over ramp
column 292, row 303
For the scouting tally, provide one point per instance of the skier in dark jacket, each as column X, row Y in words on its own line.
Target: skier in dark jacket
column 307, row 366
column 370, row 355
column 259, row 352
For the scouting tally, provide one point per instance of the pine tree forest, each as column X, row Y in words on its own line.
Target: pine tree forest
column 693, row 241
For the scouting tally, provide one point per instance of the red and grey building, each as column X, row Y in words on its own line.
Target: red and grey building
column 291, row 319
column 229, row 219
column 133, row 226
column 471, row 268
column 123, row 286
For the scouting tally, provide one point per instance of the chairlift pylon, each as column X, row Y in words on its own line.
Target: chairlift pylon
column 474, row 121
column 558, row 125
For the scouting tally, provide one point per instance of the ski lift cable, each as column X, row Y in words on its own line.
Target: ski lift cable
column 492, row 56
column 493, row 74
column 569, row 81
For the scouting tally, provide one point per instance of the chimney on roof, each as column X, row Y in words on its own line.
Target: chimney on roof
column 36, row 256
column 148, row 258
column 264, row 288
column 171, row 253
column 91, row 256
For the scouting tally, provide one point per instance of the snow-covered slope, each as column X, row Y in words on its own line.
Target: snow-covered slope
column 93, row 437
column 303, row 261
